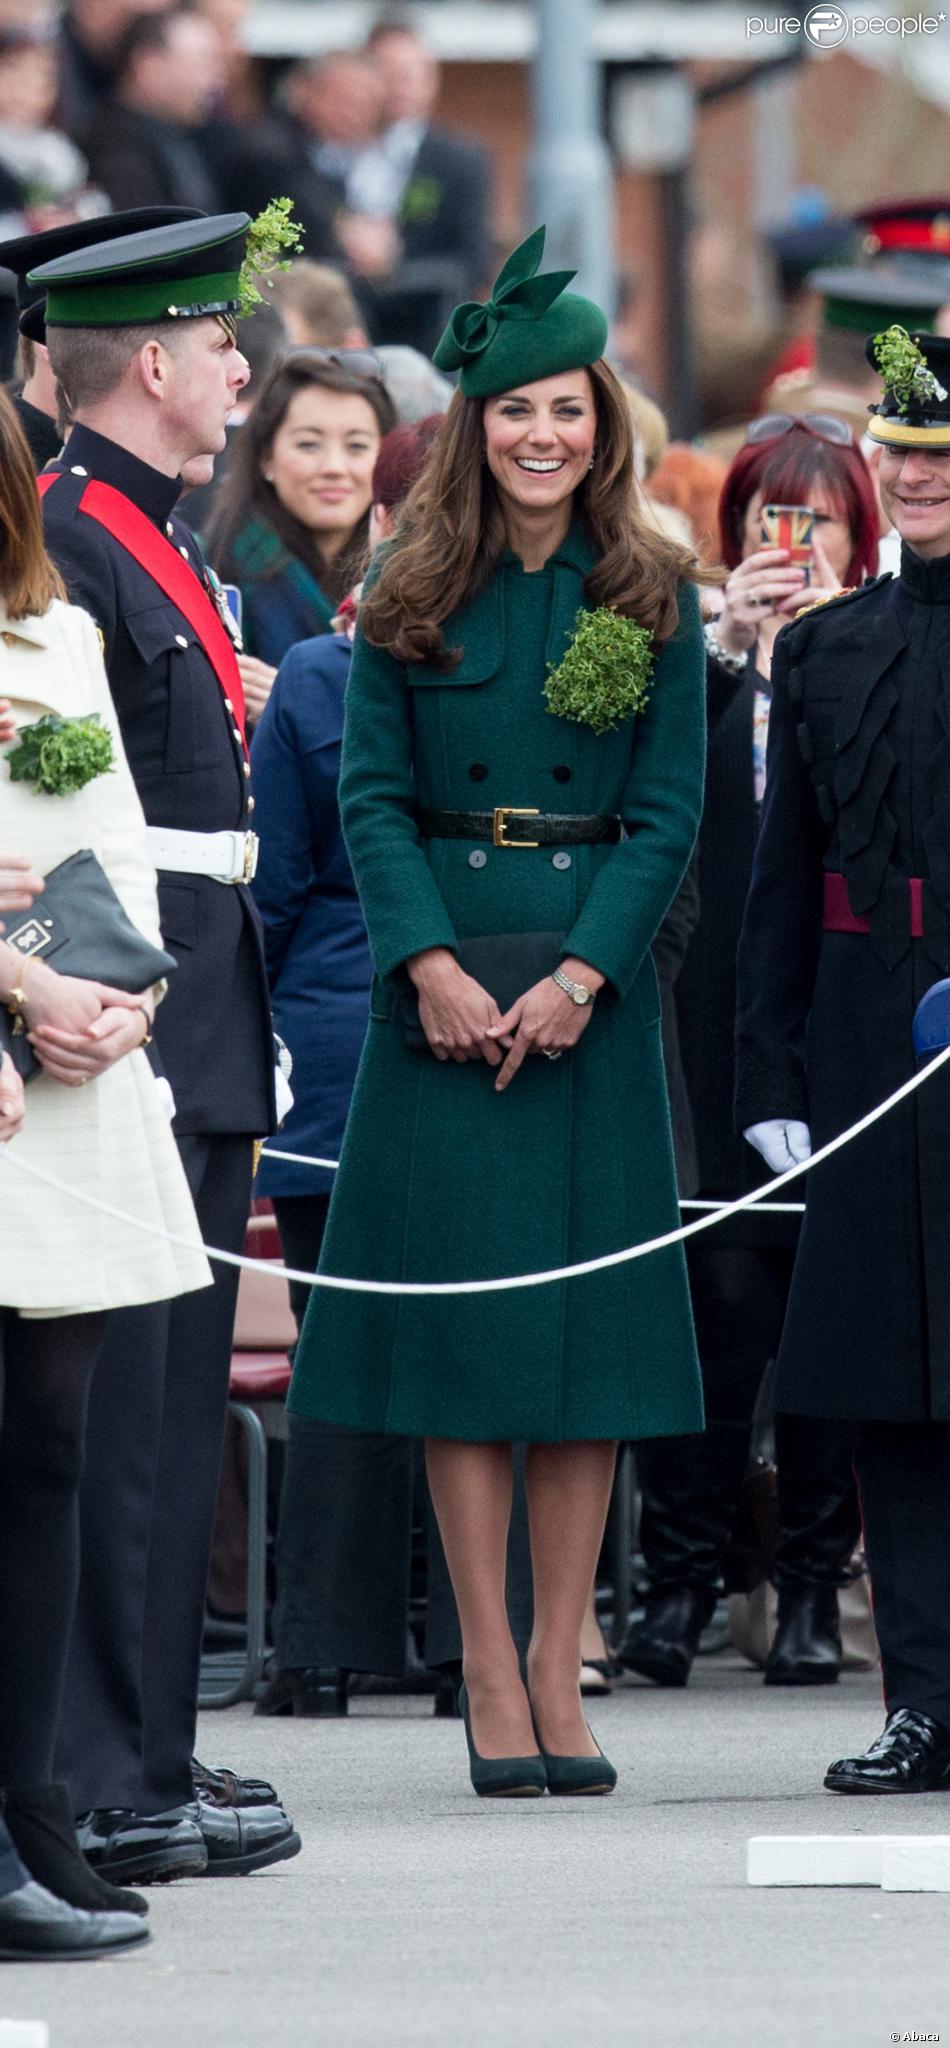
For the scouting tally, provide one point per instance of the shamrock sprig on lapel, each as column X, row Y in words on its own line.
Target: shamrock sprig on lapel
column 61, row 755
column 606, row 673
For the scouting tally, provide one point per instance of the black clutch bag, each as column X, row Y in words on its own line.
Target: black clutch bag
column 507, row 964
column 78, row 926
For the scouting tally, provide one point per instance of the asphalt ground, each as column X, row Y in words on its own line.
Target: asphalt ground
column 417, row 1914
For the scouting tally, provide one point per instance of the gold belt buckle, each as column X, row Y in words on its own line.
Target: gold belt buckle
column 250, row 856
column 503, row 811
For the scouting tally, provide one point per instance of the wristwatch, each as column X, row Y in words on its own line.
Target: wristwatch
column 577, row 990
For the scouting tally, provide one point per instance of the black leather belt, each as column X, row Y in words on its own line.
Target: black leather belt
column 513, row 825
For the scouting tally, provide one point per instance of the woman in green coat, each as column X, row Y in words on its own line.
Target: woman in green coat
column 517, row 836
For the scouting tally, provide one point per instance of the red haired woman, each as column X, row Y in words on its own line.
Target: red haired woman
column 740, row 1275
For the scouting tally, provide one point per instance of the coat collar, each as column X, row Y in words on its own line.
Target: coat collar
column 34, row 631
column 91, row 454
column 478, row 627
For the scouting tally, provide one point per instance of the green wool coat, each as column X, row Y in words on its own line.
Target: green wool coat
column 443, row 1179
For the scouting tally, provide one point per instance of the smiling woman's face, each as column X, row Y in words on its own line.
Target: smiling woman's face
column 321, row 461
column 915, row 492
column 539, row 439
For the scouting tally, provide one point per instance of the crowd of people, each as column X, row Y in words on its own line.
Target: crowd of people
column 140, row 103
column 385, row 699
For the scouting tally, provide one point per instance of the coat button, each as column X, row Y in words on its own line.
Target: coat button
column 251, row 802
column 562, row 774
column 247, row 767
column 169, row 529
column 478, row 858
column 561, row 860
column 184, row 551
column 180, row 640
column 77, row 470
column 478, row 771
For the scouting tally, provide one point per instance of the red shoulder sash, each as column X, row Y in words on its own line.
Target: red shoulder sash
column 134, row 532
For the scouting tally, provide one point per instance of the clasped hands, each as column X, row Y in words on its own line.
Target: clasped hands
column 463, row 1022
column 78, row 1029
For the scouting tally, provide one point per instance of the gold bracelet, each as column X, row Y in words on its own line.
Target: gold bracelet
column 16, row 1005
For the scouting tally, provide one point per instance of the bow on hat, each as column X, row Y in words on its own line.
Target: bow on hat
column 517, row 294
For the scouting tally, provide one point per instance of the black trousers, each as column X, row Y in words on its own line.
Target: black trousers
column 904, row 1477
column 345, row 1528
column 690, row 1484
column 46, row 1369
column 148, row 1504
column 12, row 1873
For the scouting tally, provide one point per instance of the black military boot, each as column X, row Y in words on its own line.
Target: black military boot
column 807, row 1645
column 912, row 1755
column 662, row 1646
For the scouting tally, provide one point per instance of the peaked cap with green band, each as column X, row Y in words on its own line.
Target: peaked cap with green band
column 178, row 272
column 873, row 294
column 530, row 327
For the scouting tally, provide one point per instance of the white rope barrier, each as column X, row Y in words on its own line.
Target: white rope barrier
column 509, row 1282
column 305, row 1159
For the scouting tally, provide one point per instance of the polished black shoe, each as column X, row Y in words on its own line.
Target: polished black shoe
column 137, row 1848
column 240, row 1839
column 912, row 1755
column 312, row 1693
column 663, row 1645
column 35, row 1927
column 41, row 1824
column 807, row 1645
column 225, row 1788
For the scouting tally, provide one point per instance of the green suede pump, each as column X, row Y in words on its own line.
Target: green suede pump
column 502, row 1777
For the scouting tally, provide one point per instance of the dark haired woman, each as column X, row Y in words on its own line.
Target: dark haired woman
column 740, row 1275
column 292, row 521
column 95, row 1120
column 536, row 1132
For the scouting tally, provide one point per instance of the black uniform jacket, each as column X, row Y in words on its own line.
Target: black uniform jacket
column 706, row 990
column 859, row 784
column 42, row 433
column 213, row 1028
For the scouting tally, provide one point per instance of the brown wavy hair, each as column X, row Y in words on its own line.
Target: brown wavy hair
column 28, row 580
column 452, row 536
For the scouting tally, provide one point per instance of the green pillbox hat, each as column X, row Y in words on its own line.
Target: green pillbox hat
column 531, row 327
column 177, row 272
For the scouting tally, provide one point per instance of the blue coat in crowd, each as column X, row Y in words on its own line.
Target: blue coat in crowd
column 315, row 942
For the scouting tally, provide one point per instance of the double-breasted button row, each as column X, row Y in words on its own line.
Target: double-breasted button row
column 478, row 772
column 478, row 858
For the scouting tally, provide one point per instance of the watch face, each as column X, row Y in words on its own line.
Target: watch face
column 581, row 995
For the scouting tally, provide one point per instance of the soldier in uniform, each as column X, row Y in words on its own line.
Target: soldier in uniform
column 847, row 926
column 142, row 338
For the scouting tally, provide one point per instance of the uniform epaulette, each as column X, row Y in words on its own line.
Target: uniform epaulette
column 836, row 597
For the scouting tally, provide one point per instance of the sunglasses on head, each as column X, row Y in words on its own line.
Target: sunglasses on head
column 358, row 362
column 823, row 425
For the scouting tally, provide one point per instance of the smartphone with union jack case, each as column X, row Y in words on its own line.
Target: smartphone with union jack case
column 791, row 527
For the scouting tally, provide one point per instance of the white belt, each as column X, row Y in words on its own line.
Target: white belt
column 221, row 856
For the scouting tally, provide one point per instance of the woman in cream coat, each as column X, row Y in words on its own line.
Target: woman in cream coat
column 94, row 1118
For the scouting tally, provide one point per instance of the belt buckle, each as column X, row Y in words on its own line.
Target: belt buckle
column 251, row 847
column 504, row 811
